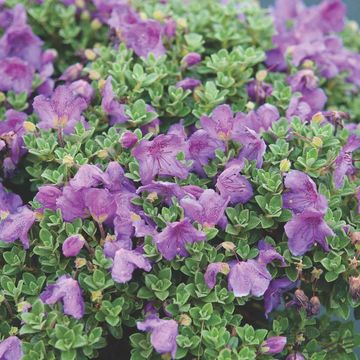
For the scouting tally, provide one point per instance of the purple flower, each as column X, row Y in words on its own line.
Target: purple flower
column 87, row 176
column 10, row 349
column 343, row 163
column 212, row 270
column 172, row 240
column 169, row 29
column 165, row 189
column 16, row 225
column 101, row 204
column 298, row 108
column 144, row 37
column 261, row 119
column 112, row 107
column 71, row 203
column 202, row 149
column 72, row 73
column 253, row 146
column 302, row 193
column 19, row 41
column 125, row 262
column 122, row 17
column 72, row 245
column 207, row 210
column 163, row 334
column 273, row 345
column 68, row 291
column 128, row 140
column 83, row 89
column 158, row 157
column 188, row 83
column 305, row 229
column 258, row 91
column 295, row 356
column 220, row 124
column 47, row 196
column 12, row 131
column 191, row 59
column 306, row 83
column 251, row 277
column 9, row 202
column 62, row 111
column 231, row 184
column 273, row 294
column 16, row 75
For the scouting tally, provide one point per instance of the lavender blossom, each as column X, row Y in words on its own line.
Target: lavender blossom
column 66, row 290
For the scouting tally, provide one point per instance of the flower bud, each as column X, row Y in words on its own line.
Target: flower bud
column 273, row 345
column 85, row 15
column 354, row 287
column 261, row 75
column 158, row 15
column 95, row 24
column 315, row 305
column 191, row 59
column 153, row 196
column 355, row 238
column 250, row 106
column 318, row 118
column 94, row 75
column 317, row 142
column 182, row 22
column 96, row 296
column 128, row 140
column 72, row 245
column 228, row 245
column 185, row 320
column 295, row 356
column 90, row 54
column 102, row 154
column 13, row 331
column 29, row 126
column 170, row 28
column 68, row 160
column 308, row 64
column 80, row 4
column 80, row 262
column 285, row 165
column 2, row 97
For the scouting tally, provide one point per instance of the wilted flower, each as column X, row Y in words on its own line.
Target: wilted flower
column 72, row 245
column 305, row 229
column 66, row 290
column 273, row 345
column 159, row 157
column 354, row 287
column 172, row 240
column 302, row 193
column 62, row 111
column 10, row 349
column 125, row 262
column 163, row 334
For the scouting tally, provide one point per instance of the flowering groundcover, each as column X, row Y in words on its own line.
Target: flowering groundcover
column 179, row 176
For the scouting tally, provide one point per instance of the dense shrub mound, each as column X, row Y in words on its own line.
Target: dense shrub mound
column 181, row 175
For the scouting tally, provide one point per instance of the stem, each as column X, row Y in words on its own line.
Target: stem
column 60, row 137
column 8, row 307
column 102, row 231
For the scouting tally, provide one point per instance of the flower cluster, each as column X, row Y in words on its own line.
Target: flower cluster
column 183, row 172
